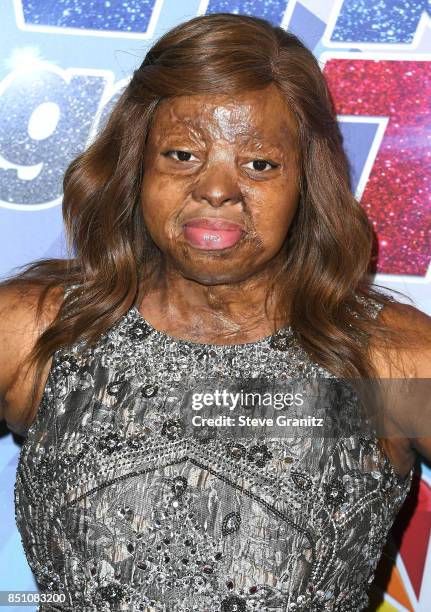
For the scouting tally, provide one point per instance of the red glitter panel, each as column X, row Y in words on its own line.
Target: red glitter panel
column 397, row 194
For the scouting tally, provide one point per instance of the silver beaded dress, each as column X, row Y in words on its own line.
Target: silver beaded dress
column 118, row 509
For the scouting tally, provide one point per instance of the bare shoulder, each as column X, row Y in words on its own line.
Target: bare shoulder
column 20, row 328
column 409, row 358
column 412, row 357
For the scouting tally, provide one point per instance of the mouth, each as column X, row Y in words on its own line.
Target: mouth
column 212, row 234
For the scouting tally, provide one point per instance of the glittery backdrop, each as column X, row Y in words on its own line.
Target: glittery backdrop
column 65, row 62
column 397, row 193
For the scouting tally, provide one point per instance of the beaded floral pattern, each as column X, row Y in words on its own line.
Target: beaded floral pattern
column 120, row 509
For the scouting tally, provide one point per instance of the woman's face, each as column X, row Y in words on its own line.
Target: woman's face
column 220, row 158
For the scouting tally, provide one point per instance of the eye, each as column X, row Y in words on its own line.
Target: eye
column 260, row 165
column 183, row 156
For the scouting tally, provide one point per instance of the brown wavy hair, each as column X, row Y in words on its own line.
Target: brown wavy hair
column 326, row 279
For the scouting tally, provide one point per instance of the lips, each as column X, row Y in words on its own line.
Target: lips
column 212, row 234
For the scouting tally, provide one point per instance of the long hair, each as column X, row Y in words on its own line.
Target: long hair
column 326, row 279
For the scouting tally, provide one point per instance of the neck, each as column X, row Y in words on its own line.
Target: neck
column 227, row 313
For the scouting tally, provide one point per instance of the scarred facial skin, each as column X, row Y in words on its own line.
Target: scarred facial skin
column 226, row 157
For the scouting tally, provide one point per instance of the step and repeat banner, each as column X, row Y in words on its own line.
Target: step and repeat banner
column 63, row 64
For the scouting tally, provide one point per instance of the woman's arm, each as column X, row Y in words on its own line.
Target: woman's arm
column 19, row 330
column 409, row 409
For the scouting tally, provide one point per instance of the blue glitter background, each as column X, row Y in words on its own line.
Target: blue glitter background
column 273, row 10
column 378, row 22
column 112, row 15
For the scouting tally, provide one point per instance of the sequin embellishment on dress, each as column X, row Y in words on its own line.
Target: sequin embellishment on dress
column 120, row 510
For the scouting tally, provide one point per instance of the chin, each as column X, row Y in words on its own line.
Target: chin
column 213, row 276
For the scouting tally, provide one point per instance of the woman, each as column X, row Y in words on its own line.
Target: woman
column 214, row 234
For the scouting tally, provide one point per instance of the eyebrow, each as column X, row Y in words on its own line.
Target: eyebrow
column 258, row 140
column 249, row 136
column 246, row 137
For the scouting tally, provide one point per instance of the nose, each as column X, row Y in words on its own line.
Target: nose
column 218, row 186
